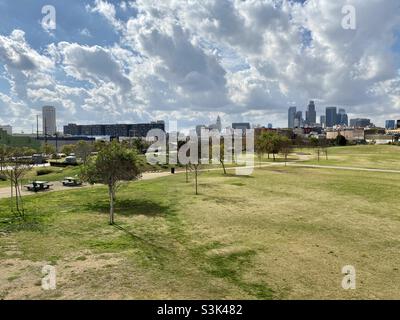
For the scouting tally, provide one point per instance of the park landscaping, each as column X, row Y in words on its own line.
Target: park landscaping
column 362, row 156
column 282, row 233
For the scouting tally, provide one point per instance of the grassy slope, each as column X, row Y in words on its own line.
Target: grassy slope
column 284, row 233
column 365, row 156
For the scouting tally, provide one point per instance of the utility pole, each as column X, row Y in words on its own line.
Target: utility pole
column 37, row 127
column 45, row 131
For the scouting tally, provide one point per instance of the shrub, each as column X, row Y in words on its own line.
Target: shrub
column 42, row 172
column 3, row 177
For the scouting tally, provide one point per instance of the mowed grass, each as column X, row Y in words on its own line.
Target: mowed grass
column 283, row 233
column 55, row 174
column 364, row 156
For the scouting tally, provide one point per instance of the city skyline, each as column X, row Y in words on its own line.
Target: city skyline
column 115, row 61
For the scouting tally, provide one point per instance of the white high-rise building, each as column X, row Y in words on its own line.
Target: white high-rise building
column 49, row 120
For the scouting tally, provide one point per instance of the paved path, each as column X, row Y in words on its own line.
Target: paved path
column 342, row 168
column 57, row 186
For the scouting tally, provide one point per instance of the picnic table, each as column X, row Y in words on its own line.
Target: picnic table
column 36, row 186
column 71, row 182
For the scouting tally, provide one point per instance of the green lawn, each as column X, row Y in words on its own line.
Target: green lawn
column 284, row 233
column 56, row 174
column 365, row 156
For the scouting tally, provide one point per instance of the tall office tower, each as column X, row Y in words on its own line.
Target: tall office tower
column 331, row 117
column 291, row 116
column 298, row 120
column 311, row 114
column 342, row 118
column 390, row 124
column 49, row 120
column 219, row 124
column 323, row 121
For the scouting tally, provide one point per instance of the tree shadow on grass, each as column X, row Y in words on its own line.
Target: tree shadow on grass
column 141, row 239
column 232, row 175
column 131, row 207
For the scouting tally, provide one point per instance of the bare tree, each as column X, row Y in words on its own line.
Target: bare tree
column 14, row 167
column 195, row 168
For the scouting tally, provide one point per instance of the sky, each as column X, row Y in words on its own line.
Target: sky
column 190, row 60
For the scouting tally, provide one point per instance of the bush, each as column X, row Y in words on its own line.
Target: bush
column 3, row 177
column 42, row 172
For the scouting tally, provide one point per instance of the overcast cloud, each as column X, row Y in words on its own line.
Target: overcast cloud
column 136, row 61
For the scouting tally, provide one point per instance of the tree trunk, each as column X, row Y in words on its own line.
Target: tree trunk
column 111, row 194
column 187, row 174
column 195, row 175
column 223, row 166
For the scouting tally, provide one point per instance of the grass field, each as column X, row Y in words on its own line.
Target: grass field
column 364, row 156
column 56, row 174
column 284, row 233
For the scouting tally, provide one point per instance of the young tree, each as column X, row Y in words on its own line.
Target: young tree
column 3, row 156
column 17, row 167
column 68, row 149
column 83, row 150
column 285, row 146
column 217, row 152
column 195, row 167
column 260, row 147
column 48, row 149
column 275, row 145
column 114, row 163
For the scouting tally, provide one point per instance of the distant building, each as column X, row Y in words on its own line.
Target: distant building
column 7, row 129
column 241, row 126
column 331, row 115
column 269, row 126
column 298, row 120
column 390, row 124
column 322, row 121
column 356, row 134
column 291, row 115
column 139, row 130
column 342, row 118
column 360, row 123
column 311, row 114
column 49, row 120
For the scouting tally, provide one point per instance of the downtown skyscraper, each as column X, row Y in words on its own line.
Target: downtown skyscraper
column 311, row 114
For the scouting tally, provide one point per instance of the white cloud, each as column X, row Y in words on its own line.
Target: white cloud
column 194, row 59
